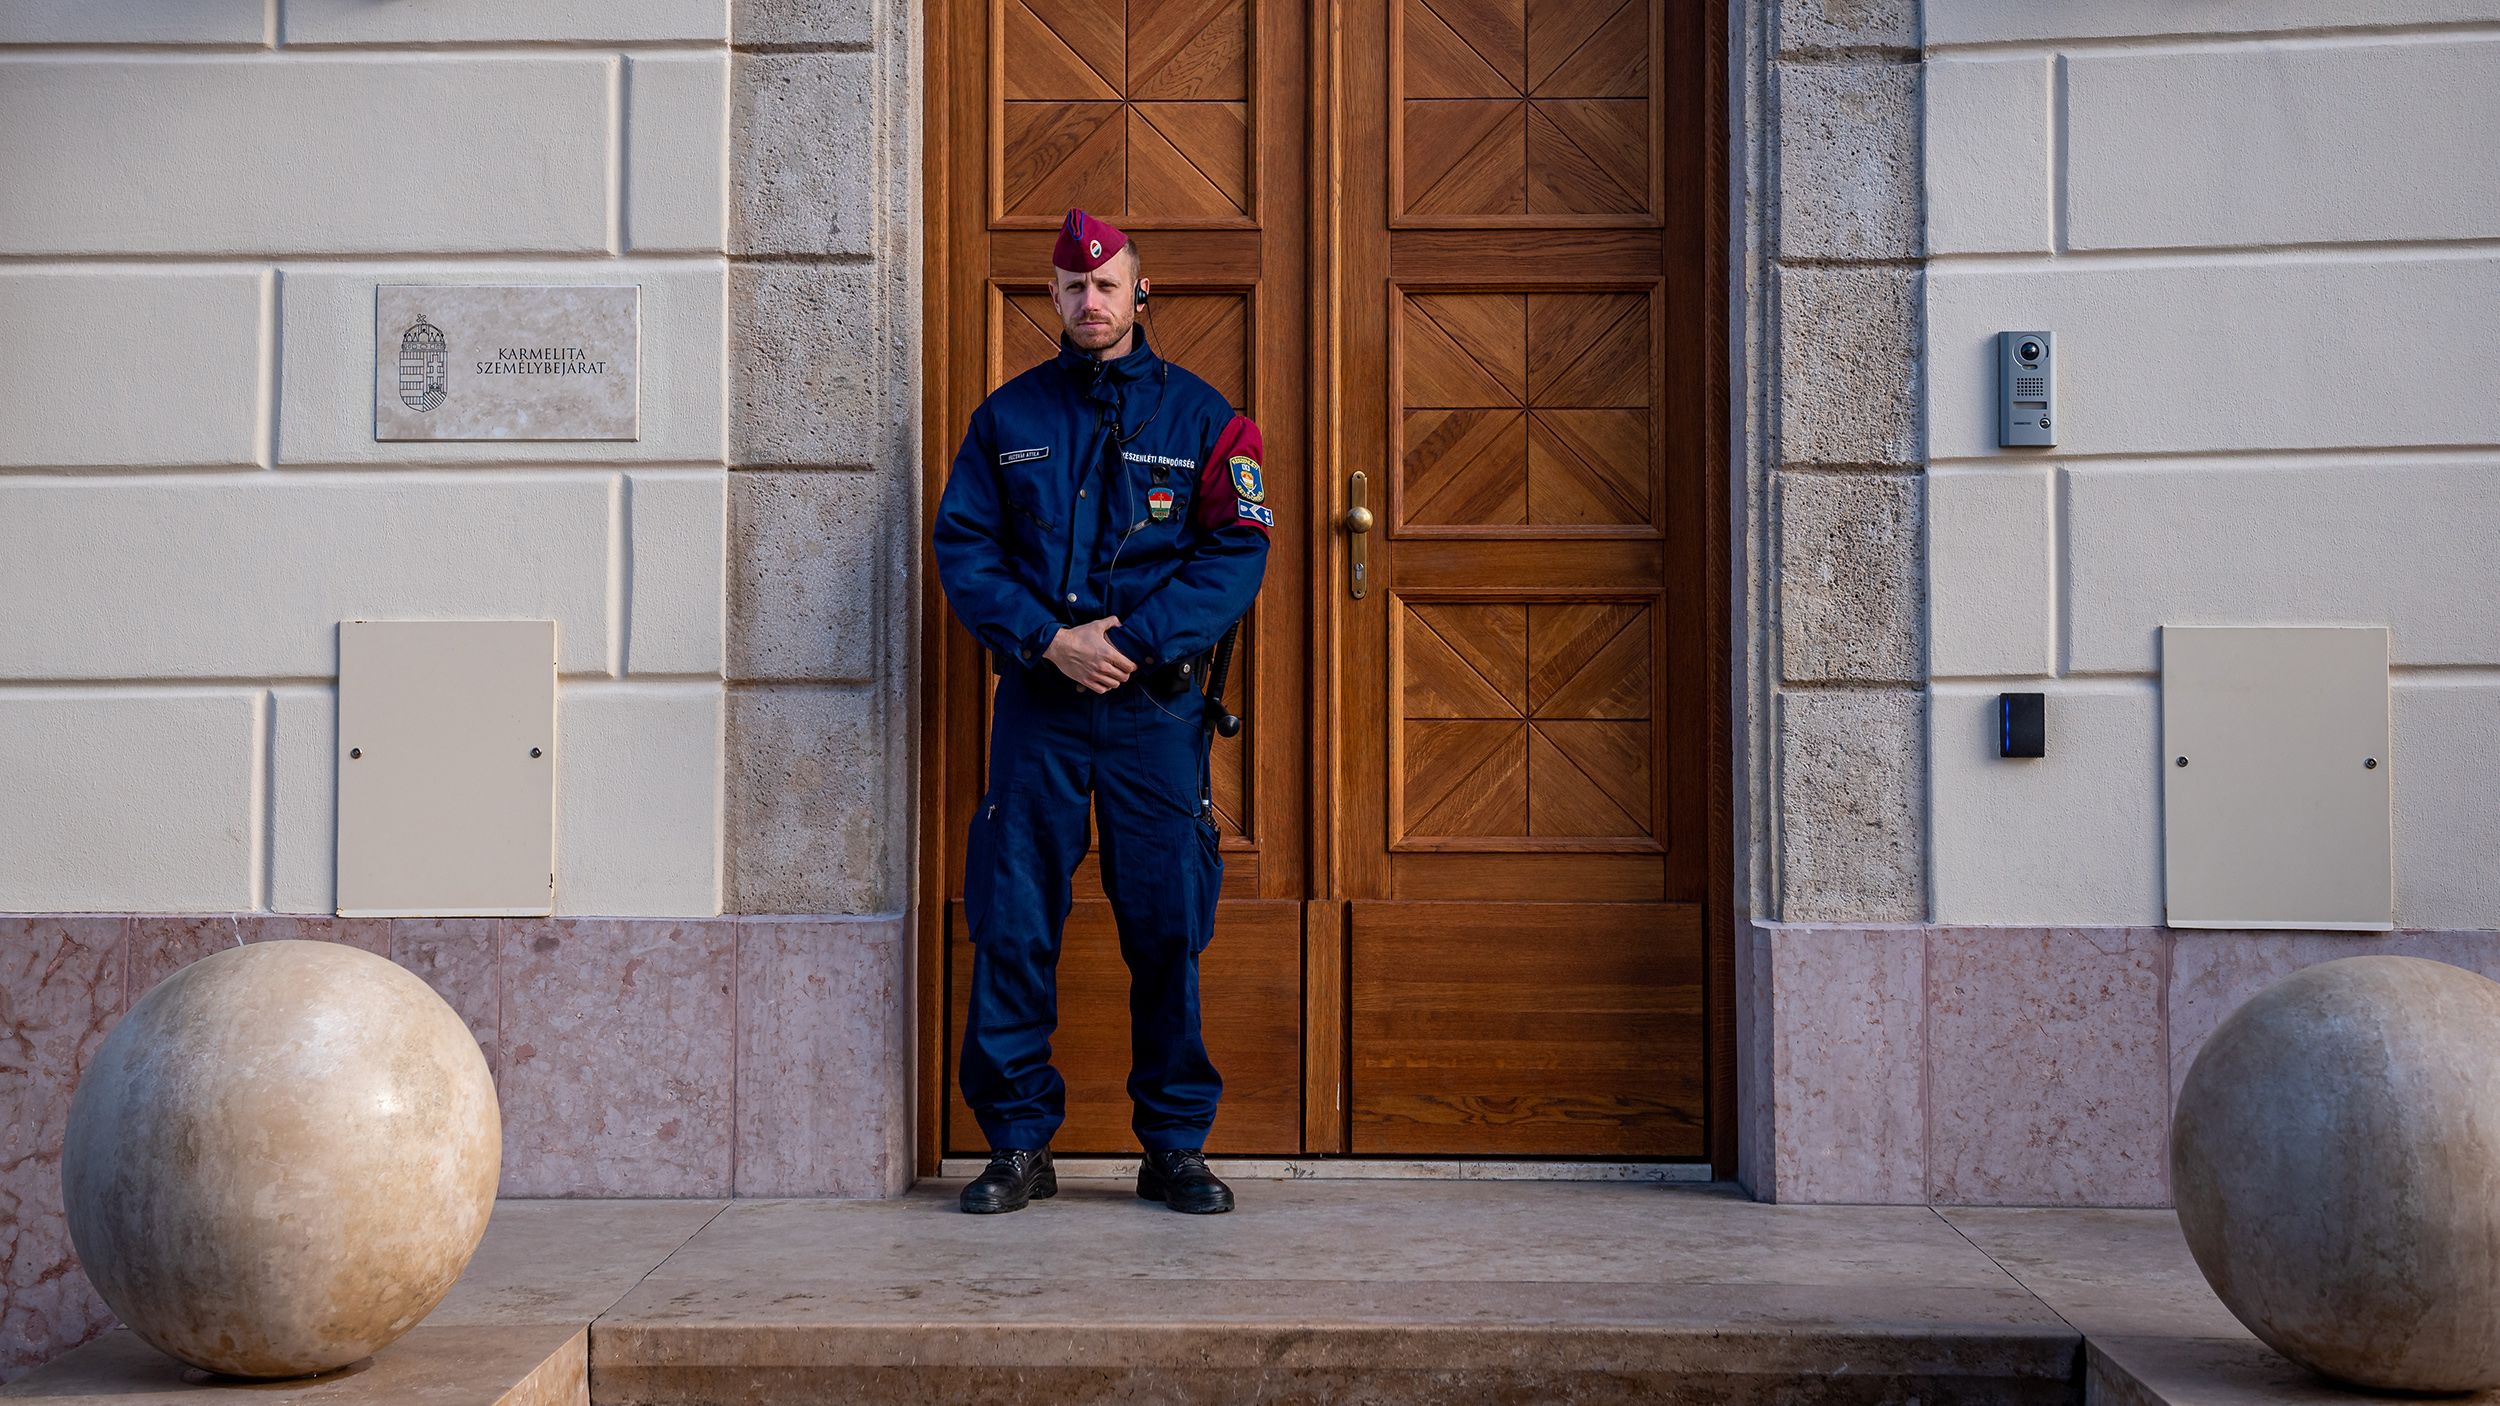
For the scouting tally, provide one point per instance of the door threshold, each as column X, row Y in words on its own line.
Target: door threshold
column 1370, row 1169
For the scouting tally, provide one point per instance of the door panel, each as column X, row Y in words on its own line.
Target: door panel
column 1141, row 113
column 1570, row 1029
column 1522, row 678
column 1505, row 112
column 1170, row 119
column 1524, row 724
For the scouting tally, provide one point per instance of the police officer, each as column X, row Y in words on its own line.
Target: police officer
column 1103, row 524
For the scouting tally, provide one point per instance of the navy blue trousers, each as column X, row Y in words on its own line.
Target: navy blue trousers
column 1136, row 763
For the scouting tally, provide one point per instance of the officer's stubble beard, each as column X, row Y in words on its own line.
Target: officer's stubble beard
column 1121, row 315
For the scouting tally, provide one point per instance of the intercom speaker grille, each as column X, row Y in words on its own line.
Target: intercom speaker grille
column 2031, row 387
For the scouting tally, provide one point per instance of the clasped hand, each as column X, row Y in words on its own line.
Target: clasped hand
column 1084, row 654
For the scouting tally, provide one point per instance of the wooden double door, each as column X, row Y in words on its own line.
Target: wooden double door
column 1454, row 256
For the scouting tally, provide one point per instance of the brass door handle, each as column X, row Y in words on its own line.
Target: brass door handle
column 1358, row 528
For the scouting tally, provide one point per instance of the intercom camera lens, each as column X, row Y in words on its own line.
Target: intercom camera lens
column 2028, row 351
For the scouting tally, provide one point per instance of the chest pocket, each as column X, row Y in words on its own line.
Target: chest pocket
column 1029, row 512
column 1174, row 499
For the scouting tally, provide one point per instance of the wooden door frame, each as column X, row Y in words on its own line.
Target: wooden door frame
column 943, row 109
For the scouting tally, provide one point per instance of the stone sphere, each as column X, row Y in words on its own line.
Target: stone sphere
column 281, row 1159
column 2336, row 1163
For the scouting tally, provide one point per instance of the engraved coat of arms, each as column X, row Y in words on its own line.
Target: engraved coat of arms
column 424, row 365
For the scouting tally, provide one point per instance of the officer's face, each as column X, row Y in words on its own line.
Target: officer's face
column 1097, row 308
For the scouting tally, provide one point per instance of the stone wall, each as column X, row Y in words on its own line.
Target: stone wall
column 1827, row 373
column 2252, row 241
column 186, row 281
column 2269, row 251
column 824, row 516
column 201, row 200
column 1833, row 472
column 824, row 545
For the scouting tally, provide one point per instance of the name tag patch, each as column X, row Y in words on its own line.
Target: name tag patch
column 1018, row 456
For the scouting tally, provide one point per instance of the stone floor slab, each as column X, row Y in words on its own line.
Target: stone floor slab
column 2108, row 1272
column 2159, row 1371
column 2155, row 1334
column 1305, row 1231
column 556, row 1261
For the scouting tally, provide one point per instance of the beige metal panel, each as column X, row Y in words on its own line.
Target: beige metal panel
column 2280, row 816
column 444, row 811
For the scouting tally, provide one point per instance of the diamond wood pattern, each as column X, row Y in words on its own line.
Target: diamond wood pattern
column 1526, row 409
column 1514, row 109
column 1526, row 720
column 1209, row 333
column 1134, row 109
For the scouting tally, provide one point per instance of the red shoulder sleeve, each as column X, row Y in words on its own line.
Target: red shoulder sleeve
column 1232, row 484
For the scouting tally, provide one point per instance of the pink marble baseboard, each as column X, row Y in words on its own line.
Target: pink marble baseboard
column 618, row 1040
column 632, row 1057
column 1996, row 1066
column 2213, row 972
column 2046, row 1067
column 64, row 982
column 1841, row 1115
column 824, row 1059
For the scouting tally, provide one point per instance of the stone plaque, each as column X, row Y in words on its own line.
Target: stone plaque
column 507, row 361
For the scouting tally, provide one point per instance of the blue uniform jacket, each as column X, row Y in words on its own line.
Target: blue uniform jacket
column 1047, row 522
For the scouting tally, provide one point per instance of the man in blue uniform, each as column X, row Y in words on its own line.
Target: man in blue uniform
column 1103, row 524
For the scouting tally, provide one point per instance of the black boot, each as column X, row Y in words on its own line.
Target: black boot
column 1180, row 1179
column 1015, row 1175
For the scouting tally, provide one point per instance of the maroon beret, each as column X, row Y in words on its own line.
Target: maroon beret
column 1085, row 243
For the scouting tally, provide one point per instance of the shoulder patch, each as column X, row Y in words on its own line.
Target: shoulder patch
column 1246, row 480
column 1018, row 456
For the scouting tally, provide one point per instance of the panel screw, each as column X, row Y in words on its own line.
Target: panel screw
column 355, row 752
column 2183, row 761
column 533, row 751
column 2369, row 763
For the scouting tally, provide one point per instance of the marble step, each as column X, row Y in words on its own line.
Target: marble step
column 1317, row 1291
column 1794, row 1364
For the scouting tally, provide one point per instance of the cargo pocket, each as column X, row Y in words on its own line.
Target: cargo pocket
column 1167, row 741
column 1209, row 864
column 980, row 867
